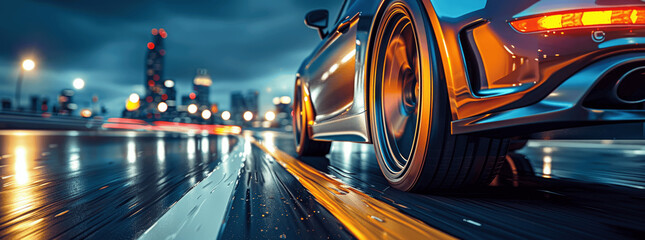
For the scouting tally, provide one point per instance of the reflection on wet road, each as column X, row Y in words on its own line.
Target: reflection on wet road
column 571, row 195
column 88, row 184
column 122, row 184
column 270, row 203
column 606, row 161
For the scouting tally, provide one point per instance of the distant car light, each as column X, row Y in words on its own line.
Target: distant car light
column 248, row 116
column 206, row 114
column 192, row 108
column 162, row 107
column 226, row 115
column 86, row 113
column 269, row 116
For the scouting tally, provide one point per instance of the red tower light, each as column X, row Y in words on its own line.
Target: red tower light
column 154, row 31
column 163, row 33
column 192, row 96
column 151, row 45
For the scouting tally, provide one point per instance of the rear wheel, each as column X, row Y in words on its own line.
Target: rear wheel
column 410, row 114
column 304, row 145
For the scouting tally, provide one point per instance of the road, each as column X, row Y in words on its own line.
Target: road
column 125, row 185
column 71, row 184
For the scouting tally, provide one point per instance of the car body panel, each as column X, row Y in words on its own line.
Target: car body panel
column 490, row 68
column 349, row 106
column 331, row 72
column 552, row 54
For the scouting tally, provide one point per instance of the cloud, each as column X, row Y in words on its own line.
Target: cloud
column 243, row 43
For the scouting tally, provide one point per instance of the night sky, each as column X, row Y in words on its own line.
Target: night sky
column 244, row 44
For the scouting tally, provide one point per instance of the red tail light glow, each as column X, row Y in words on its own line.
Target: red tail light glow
column 581, row 18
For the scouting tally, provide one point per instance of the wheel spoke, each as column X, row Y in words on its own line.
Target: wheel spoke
column 399, row 99
column 405, row 142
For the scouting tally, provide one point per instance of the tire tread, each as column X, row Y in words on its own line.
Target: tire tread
column 315, row 148
column 466, row 161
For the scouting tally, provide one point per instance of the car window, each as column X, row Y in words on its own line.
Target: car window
column 343, row 8
column 337, row 11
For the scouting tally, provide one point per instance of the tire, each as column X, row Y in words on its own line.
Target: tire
column 304, row 145
column 410, row 114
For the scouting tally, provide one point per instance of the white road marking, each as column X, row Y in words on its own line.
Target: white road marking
column 200, row 213
column 472, row 222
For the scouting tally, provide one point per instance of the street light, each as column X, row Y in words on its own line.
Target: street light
column 269, row 116
column 132, row 103
column 162, row 107
column 248, row 116
column 78, row 83
column 206, row 114
column 134, row 98
column 27, row 65
column 226, row 115
column 192, row 108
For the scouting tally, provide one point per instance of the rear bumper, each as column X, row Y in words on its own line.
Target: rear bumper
column 562, row 108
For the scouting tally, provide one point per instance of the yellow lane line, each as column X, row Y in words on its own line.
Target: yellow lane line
column 364, row 216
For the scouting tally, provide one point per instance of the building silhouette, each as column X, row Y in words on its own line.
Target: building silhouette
column 238, row 106
column 156, row 91
column 66, row 105
column 171, row 95
column 186, row 100
column 241, row 103
column 252, row 98
column 201, row 86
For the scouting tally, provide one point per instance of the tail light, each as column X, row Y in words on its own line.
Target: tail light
column 581, row 18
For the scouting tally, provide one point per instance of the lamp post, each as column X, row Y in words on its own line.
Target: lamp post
column 27, row 65
column 78, row 83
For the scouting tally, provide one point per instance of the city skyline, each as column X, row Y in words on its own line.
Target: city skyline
column 111, row 52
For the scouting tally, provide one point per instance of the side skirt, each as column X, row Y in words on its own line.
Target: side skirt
column 353, row 128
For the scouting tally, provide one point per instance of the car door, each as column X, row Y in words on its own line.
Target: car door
column 331, row 69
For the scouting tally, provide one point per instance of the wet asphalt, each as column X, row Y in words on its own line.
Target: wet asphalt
column 115, row 185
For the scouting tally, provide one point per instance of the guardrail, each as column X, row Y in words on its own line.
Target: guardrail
column 27, row 120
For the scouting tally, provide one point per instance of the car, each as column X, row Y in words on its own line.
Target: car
column 440, row 87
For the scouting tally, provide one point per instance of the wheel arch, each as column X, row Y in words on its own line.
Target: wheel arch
column 306, row 103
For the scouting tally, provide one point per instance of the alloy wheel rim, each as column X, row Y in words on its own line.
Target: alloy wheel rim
column 298, row 112
column 399, row 91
